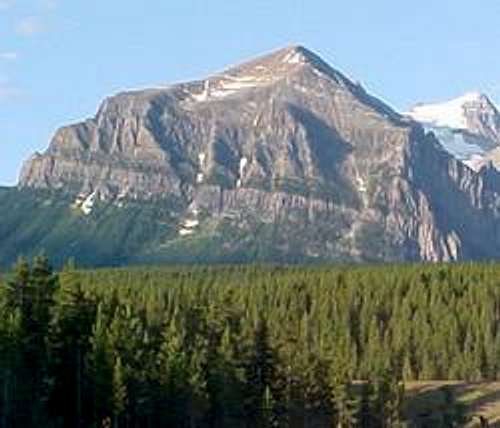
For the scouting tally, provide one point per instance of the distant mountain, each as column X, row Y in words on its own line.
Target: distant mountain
column 282, row 158
column 468, row 127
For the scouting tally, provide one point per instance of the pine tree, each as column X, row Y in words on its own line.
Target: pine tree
column 100, row 368
column 68, row 343
column 260, row 375
column 343, row 402
column 18, row 284
column 119, row 400
column 172, row 377
column 10, row 345
column 31, row 292
column 198, row 402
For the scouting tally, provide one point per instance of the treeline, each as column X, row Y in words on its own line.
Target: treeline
column 239, row 346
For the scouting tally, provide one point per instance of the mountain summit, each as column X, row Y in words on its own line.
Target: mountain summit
column 468, row 126
column 281, row 158
column 460, row 113
column 182, row 134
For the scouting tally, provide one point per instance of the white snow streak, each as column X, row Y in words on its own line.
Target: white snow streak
column 361, row 185
column 189, row 225
column 88, row 204
column 243, row 165
column 227, row 85
column 294, row 58
column 201, row 165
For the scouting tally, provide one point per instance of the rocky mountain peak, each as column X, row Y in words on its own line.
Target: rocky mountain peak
column 278, row 66
column 281, row 61
column 468, row 127
column 470, row 112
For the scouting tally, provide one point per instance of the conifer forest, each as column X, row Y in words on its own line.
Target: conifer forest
column 241, row 346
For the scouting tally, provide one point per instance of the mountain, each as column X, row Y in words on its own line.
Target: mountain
column 468, row 127
column 282, row 158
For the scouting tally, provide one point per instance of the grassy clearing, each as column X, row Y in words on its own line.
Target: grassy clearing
column 424, row 399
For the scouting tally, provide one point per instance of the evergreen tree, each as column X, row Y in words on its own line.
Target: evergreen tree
column 172, row 377
column 100, row 368
column 10, row 345
column 68, row 343
column 260, row 376
column 119, row 400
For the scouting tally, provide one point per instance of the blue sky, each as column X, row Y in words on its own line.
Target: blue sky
column 60, row 58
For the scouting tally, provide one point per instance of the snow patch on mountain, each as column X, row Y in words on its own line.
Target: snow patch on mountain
column 204, row 95
column 451, row 114
column 467, row 127
column 294, row 57
column 85, row 203
column 243, row 165
column 190, row 224
column 455, row 143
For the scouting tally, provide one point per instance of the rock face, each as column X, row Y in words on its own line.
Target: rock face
column 287, row 150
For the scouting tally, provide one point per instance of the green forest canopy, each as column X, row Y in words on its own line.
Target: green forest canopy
column 239, row 346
